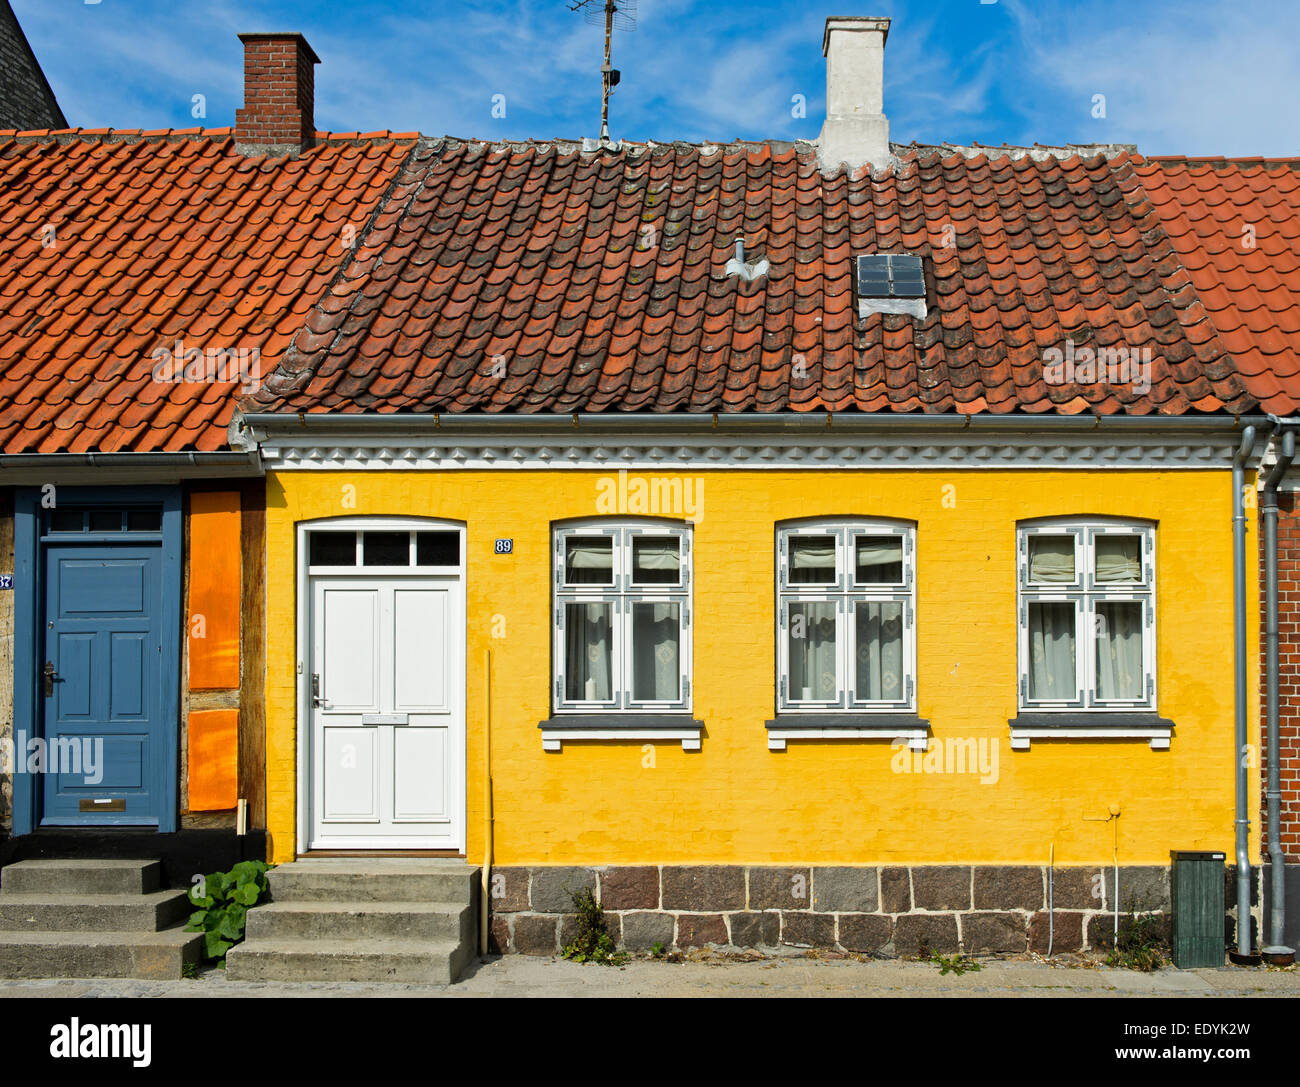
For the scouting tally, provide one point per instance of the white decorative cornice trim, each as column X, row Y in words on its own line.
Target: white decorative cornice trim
column 962, row 450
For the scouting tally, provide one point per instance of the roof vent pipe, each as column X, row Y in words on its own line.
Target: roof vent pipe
column 1277, row 952
column 749, row 272
column 1243, row 955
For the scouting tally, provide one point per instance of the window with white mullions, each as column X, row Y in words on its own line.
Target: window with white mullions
column 845, row 606
column 1087, row 615
column 622, row 618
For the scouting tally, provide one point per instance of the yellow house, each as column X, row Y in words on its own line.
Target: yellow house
column 789, row 544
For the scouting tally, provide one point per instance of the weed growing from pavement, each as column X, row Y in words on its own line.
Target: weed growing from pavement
column 957, row 964
column 1142, row 943
column 592, row 942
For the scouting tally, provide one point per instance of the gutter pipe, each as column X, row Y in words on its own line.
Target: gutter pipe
column 240, row 459
column 1243, row 955
column 357, row 421
column 1277, row 951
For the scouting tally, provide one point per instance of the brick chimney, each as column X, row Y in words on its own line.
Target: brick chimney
column 279, row 95
column 856, row 130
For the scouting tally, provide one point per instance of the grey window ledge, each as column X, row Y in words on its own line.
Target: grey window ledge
column 621, row 726
column 847, row 726
column 1090, row 725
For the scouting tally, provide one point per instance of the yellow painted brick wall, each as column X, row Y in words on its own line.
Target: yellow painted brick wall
column 818, row 802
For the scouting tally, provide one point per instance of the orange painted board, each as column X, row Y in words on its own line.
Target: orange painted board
column 214, row 591
column 213, row 759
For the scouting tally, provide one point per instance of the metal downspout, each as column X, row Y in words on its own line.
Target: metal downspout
column 1276, row 949
column 1246, row 448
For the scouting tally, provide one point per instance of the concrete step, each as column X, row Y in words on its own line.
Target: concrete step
column 428, row 921
column 146, row 955
column 356, row 881
column 347, row 960
column 150, row 912
column 81, row 877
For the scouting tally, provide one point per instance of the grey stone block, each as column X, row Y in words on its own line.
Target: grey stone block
column 1009, row 887
column 1141, row 888
column 869, row 932
column 1005, row 933
column 1077, row 889
column 755, row 929
column 779, row 888
column 931, row 932
column 701, row 929
column 895, row 890
column 535, row 934
column 508, row 890
column 1101, row 927
column 703, row 887
column 942, row 887
column 846, row 890
column 553, row 888
column 499, row 942
column 629, row 888
column 642, row 930
column 1065, row 932
column 807, row 929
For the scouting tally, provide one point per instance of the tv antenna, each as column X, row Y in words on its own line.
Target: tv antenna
column 616, row 15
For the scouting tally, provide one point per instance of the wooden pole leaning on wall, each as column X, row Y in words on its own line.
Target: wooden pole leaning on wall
column 485, row 890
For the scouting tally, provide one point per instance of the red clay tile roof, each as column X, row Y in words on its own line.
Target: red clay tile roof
column 593, row 281
column 159, row 237
column 1236, row 226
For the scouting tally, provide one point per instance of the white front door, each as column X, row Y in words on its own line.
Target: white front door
column 387, row 713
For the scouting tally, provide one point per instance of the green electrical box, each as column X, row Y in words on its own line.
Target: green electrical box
column 1196, row 886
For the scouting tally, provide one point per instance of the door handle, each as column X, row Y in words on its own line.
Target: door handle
column 316, row 699
column 50, row 676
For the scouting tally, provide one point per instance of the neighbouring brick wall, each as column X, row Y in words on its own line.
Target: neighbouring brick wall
column 888, row 911
column 1288, row 582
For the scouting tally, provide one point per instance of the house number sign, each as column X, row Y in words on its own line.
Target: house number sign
column 6, row 581
column 505, row 547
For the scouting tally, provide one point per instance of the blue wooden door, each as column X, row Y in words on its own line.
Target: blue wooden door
column 101, row 686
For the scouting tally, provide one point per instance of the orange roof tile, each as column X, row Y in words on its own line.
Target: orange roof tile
column 1236, row 225
column 116, row 244
column 548, row 279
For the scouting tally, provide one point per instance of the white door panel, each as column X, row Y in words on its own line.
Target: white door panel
column 350, row 650
column 420, row 778
column 388, row 732
column 351, row 774
column 420, row 640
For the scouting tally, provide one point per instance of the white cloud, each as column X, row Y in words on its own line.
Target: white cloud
column 1178, row 79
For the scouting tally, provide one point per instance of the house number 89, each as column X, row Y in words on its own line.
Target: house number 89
column 505, row 547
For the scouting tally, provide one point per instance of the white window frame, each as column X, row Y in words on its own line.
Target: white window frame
column 621, row 595
column 844, row 593
column 1085, row 593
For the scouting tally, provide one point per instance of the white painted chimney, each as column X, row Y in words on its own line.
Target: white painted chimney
column 856, row 130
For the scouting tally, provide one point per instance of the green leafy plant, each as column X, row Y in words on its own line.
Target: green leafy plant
column 592, row 942
column 1142, row 943
column 221, row 901
column 657, row 950
column 957, row 964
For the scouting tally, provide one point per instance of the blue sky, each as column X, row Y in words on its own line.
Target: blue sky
column 1194, row 77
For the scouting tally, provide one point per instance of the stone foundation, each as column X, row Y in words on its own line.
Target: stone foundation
column 886, row 911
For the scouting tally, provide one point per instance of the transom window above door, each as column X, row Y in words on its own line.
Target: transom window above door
column 93, row 520
column 622, row 614
column 1087, row 615
column 386, row 547
column 845, row 616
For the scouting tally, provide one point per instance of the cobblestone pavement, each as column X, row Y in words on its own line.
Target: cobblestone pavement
column 789, row 976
